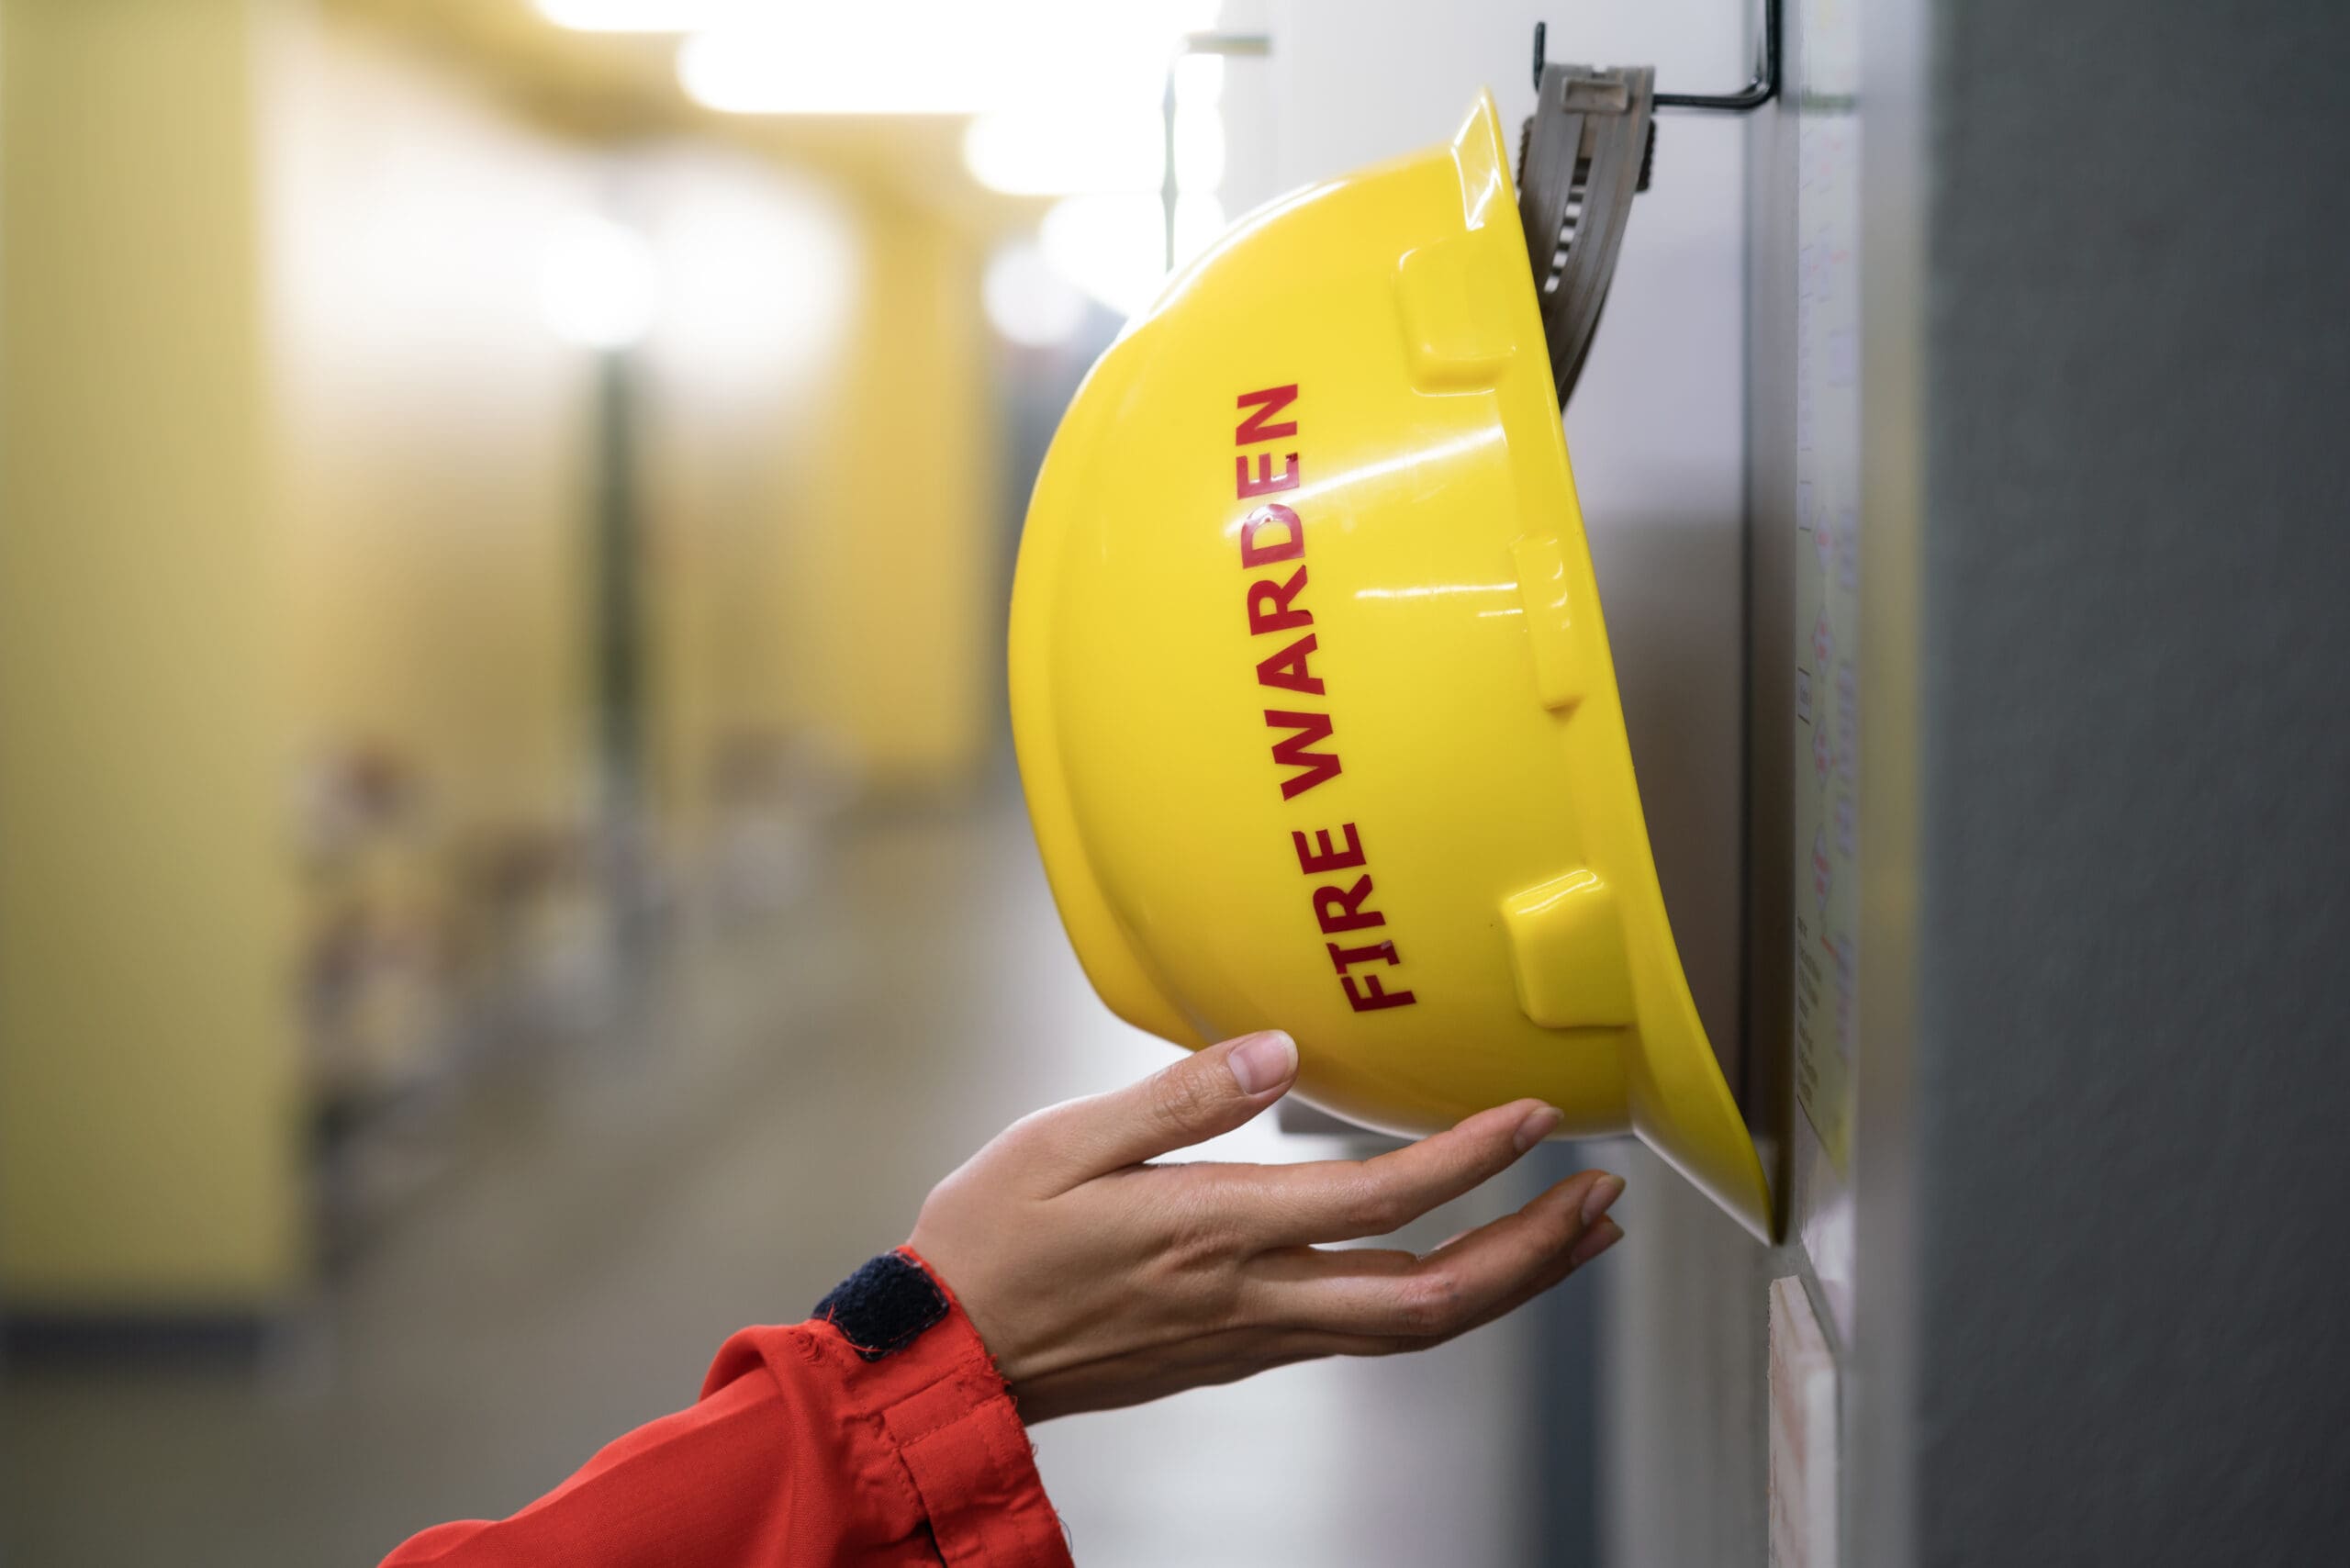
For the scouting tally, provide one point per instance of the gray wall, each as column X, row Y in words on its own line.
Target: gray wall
column 1683, row 1327
column 2117, row 1185
column 2106, row 758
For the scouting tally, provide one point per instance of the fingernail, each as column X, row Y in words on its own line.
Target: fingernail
column 1263, row 1060
column 1536, row 1125
column 1601, row 1197
column 1596, row 1240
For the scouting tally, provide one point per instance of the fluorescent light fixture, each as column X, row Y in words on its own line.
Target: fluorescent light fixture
column 1066, row 150
column 930, row 56
column 851, row 60
column 1028, row 301
column 638, row 16
column 598, row 285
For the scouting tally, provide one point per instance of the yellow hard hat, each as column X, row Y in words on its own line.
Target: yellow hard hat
column 1312, row 698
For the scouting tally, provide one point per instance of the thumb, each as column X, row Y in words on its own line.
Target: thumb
column 1208, row 1092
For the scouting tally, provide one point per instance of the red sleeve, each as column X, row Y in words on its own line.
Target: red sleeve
column 800, row 1453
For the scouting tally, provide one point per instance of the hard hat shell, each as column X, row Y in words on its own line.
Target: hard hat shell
column 1312, row 696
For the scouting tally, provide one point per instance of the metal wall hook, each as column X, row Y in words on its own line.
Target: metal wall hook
column 1753, row 96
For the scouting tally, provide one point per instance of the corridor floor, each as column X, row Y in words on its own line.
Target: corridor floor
column 774, row 1114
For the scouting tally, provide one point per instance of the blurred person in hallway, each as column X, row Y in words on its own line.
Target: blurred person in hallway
column 1058, row 1270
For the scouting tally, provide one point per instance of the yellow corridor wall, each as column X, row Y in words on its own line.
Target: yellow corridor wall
column 149, row 1119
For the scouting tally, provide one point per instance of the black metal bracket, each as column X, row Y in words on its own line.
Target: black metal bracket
column 1753, row 96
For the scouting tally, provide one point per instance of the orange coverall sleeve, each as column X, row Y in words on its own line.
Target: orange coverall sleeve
column 804, row 1448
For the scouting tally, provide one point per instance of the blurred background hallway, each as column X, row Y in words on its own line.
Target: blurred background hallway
column 765, row 1112
column 509, row 861
column 510, row 867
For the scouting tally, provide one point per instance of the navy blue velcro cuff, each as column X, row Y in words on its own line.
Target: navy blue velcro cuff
column 884, row 1306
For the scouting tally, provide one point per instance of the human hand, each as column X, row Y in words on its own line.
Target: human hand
column 1097, row 1279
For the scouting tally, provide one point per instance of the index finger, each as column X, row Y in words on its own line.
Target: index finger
column 1340, row 1200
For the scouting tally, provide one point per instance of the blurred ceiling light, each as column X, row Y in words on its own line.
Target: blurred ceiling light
column 1028, row 301
column 1198, row 81
column 928, row 56
column 598, row 285
column 1110, row 245
column 760, row 272
column 637, row 15
column 1067, row 150
column 1199, row 152
column 846, row 63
